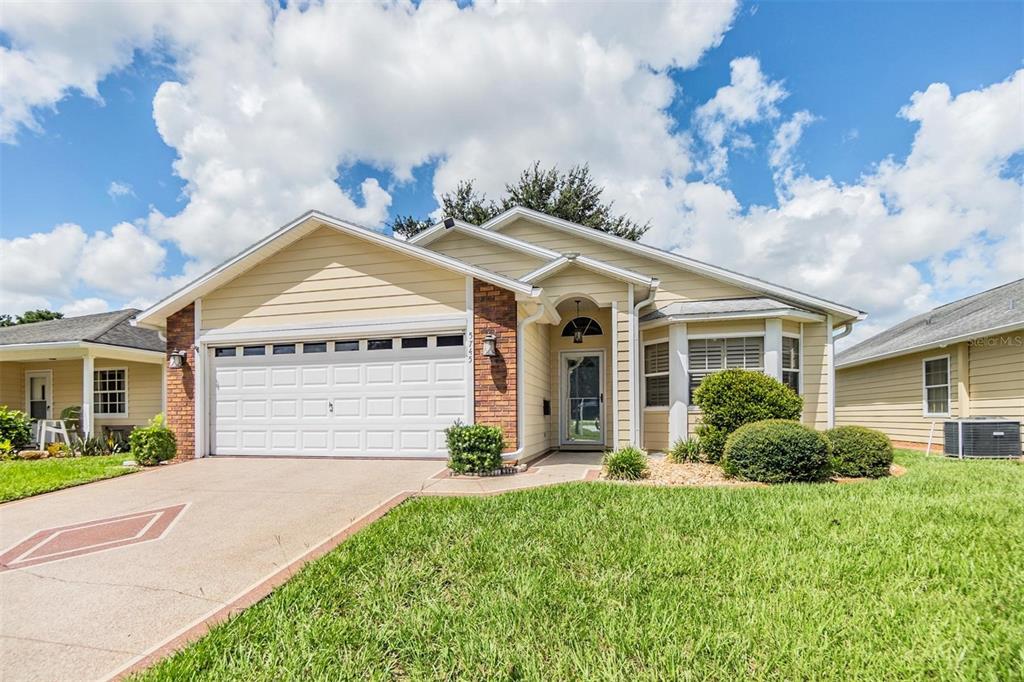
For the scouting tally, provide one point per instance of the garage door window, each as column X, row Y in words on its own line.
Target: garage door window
column 284, row 349
column 254, row 350
column 450, row 340
column 379, row 344
column 224, row 352
column 414, row 342
column 343, row 346
column 319, row 347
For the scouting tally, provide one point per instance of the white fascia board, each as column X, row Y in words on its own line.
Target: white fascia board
column 27, row 351
column 212, row 278
column 675, row 259
column 329, row 332
column 439, row 230
column 933, row 344
column 594, row 265
column 744, row 315
column 545, row 270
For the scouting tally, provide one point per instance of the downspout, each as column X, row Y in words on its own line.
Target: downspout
column 520, row 381
column 634, row 361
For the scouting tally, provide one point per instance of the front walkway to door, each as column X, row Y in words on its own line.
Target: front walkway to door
column 97, row 579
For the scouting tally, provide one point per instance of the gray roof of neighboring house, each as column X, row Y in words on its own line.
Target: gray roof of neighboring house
column 993, row 309
column 112, row 329
column 716, row 307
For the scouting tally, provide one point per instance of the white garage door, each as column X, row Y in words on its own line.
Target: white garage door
column 381, row 397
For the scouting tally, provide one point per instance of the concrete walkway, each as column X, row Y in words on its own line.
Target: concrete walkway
column 108, row 577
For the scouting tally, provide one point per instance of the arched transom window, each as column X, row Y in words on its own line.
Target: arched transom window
column 586, row 326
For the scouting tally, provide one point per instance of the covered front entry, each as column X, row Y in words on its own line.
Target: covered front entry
column 379, row 397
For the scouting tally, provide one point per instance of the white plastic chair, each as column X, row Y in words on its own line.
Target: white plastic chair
column 48, row 430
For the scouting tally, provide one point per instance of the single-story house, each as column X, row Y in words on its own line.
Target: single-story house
column 110, row 369
column 326, row 338
column 963, row 359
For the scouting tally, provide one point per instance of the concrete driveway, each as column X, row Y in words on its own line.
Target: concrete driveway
column 149, row 556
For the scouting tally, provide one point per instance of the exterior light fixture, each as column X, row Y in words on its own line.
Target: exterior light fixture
column 577, row 333
column 176, row 359
column 490, row 348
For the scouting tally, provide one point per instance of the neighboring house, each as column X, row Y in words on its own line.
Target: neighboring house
column 963, row 359
column 326, row 338
column 100, row 363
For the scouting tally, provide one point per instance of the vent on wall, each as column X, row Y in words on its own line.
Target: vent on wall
column 982, row 437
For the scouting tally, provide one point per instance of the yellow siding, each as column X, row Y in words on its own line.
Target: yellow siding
column 144, row 387
column 537, row 388
column 997, row 376
column 12, row 385
column 328, row 276
column 888, row 395
column 656, row 430
column 815, row 374
column 559, row 343
column 752, row 327
column 484, row 254
column 676, row 283
column 577, row 281
column 623, row 384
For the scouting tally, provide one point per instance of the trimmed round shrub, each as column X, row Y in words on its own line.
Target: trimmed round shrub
column 859, row 451
column 15, row 426
column 474, row 448
column 735, row 397
column 154, row 443
column 777, row 451
column 628, row 463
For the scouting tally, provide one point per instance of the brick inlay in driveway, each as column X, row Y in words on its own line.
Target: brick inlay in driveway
column 64, row 542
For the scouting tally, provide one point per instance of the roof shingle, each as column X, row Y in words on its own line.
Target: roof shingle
column 112, row 329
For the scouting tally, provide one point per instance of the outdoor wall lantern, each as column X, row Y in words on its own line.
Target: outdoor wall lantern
column 577, row 332
column 490, row 348
column 176, row 359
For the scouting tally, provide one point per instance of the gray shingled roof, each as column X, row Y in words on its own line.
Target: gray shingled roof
column 715, row 307
column 990, row 309
column 112, row 329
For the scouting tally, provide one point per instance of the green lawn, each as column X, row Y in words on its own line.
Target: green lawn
column 918, row 577
column 22, row 478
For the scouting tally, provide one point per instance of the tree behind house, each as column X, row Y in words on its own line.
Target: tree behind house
column 29, row 316
column 572, row 195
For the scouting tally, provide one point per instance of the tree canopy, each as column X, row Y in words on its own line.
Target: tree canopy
column 29, row 316
column 572, row 195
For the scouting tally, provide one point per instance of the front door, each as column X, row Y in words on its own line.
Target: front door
column 38, row 391
column 583, row 398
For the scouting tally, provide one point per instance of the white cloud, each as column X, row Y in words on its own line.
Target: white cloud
column 749, row 98
column 787, row 136
column 85, row 306
column 40, row 266
column 119, row 189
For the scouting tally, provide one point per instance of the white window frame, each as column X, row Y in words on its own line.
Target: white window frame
column 799, row 360
column 96, row 414
column 925, row 386
column 644, row 375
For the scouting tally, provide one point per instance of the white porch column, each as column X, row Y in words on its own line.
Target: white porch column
column 86, row 415
column 773, row 348
column 678, row 382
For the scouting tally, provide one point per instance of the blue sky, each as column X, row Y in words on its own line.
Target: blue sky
column 853, row 66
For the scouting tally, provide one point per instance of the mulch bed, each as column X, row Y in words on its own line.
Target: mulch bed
column 664, row 472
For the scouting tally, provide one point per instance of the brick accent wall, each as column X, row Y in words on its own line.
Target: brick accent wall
column 495, row 312
column 181, row 383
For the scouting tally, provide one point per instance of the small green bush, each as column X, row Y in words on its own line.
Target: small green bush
column 734, row 397
column 859, row 451
column 154, row 443
column 777, row 451
column 686, row 450
column 628, row 463
column 474, row 448
column 15, row 426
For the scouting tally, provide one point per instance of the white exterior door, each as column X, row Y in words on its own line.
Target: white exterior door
column 383, row 397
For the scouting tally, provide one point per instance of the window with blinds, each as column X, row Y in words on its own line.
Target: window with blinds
column 656, row 375
column 708, row 356
column 936, row 387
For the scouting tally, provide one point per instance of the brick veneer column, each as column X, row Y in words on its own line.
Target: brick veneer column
column 181, row 383
column 495, row 312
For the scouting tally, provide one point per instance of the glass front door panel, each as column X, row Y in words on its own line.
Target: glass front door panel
column 583, row 384
column 38, row 399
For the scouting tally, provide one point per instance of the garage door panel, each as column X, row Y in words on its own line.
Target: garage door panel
column 358, row 403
